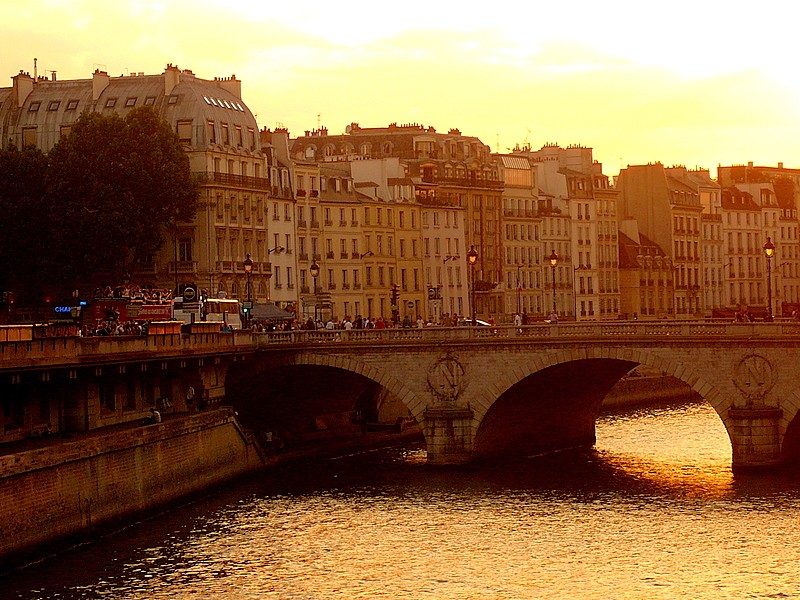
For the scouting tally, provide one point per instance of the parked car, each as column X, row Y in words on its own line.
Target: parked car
column 468, row 322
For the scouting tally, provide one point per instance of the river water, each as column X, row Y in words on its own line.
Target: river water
column 653, row 511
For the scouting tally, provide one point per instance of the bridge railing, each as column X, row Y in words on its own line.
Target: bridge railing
column 610, row 330
column 67, row 351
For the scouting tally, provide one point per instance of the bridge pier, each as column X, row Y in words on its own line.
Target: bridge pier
column 449, row 435
column 755, row 436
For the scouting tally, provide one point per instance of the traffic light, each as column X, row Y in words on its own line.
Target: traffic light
column 395, row 294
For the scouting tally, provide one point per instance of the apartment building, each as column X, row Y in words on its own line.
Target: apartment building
column 646, row 275
column 775, row 190
column 220, row 137
column 667, row 207
column 452, row 169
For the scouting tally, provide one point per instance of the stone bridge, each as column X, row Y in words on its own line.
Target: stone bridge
column 484, row 391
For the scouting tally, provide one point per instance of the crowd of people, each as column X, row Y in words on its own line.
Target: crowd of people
column 113, row 327
column 135, row 293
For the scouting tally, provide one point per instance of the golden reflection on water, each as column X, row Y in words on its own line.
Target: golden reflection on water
column 681, row 448
column 653, row 512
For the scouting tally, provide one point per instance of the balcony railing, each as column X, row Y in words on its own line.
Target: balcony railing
column 242, row 181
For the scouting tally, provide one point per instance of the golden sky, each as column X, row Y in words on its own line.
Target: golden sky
column 698, row 83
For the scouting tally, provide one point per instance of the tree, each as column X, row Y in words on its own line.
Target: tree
column 113, row 185
column 22, row 226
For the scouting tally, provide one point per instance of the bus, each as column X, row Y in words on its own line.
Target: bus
column 223, row 310
column 211, row 310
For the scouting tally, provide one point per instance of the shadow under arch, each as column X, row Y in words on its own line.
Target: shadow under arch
column 551, row 409
column 304, row 400
column 556, row 404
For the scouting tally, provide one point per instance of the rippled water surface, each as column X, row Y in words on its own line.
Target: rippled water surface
column 652, row 512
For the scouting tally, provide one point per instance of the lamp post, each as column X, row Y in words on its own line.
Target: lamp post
column 248, row 268
column 769, row 251
column 553, row 263
column 472, row 257
column 314, row 269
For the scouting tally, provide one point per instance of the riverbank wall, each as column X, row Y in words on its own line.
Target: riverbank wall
column 647, row 389
column 73, row 487
column 69, row 489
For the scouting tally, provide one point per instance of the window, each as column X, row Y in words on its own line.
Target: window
column 172, row 100
column 54, row 105
column 29, row 136
column 212, row 133
column 72, row 105
column 130, row 102
column 184, row 130
column 65, row 130
column 149, row 100
column 34, row 106
column 111, row 102
column 225, row 134
column 185, row 249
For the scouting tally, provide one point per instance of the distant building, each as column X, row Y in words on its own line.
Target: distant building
column 777, row 191
column 452, row 169
column 577, row 212
column 666, row 205
column 646, row 276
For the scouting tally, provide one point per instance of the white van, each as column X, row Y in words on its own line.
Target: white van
column 223, row 310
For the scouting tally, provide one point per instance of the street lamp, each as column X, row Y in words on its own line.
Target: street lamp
column 553, row 263
column 769, row 251
column 248, row 268
column 472, row 257
column 314, row 268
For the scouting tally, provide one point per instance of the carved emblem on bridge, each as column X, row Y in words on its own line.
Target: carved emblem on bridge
column 446, row 378
column 754, row 377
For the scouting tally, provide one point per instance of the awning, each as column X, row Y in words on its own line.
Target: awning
column 269, row 311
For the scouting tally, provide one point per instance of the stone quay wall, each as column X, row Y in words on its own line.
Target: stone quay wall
column 636, row 391
column 51, row 494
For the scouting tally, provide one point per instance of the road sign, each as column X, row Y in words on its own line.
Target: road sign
column 410, row 304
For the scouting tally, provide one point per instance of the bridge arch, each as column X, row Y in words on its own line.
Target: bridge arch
column 553, row 400
column 307, row 396
column 387, row 381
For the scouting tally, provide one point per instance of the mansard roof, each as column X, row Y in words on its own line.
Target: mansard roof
column 732, row 198
column 46, row 105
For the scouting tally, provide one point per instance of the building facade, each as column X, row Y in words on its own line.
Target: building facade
column 220, row 137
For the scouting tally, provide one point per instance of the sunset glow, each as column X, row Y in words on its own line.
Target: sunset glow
column 698, row 83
